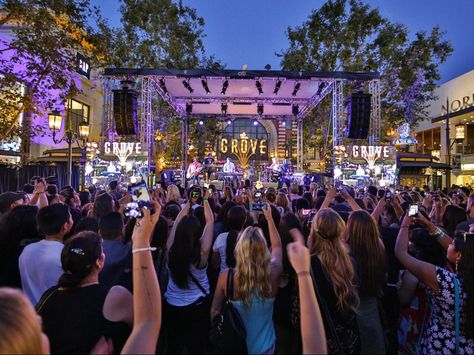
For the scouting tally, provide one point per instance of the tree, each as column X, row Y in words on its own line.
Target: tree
column 162, row 34
column 38, row 61
column 351, row 36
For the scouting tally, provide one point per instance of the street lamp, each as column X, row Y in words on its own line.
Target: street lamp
column 460, row 132
column 70, row 136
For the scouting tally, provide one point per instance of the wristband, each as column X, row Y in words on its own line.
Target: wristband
column 303, row 273
column 139, row 250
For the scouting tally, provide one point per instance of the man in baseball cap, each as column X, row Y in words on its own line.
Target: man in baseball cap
column 8, row 200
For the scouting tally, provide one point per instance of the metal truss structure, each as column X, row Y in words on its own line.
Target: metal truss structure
column 168, row 85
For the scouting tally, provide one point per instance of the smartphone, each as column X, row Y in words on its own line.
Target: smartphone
column 139, row 191
column 388, row 196
column 196, row 194
column 305, row 212
column 413, row 210
column 256, row 206
column 134, row 209
column 210, row 191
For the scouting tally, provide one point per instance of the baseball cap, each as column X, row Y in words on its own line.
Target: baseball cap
column 7, row 198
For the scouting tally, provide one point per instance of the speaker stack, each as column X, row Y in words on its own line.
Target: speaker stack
column 125, row 111
column 358, row 120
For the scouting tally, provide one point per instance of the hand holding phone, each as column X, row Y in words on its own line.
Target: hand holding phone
column 413, row 210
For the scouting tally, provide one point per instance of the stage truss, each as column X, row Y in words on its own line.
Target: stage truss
column 169, row 85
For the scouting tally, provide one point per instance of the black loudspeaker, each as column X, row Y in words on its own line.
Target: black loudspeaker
column 358, row 120
column 125, row 112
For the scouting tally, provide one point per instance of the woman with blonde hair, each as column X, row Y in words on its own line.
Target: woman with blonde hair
column 282, row 203
column 20, row 326
column 363, row 238
column 334, row 275
column 172, row 194
column 255, row 284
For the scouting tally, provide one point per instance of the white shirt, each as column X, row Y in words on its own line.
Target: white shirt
column 228, row 167
column 184, row 297
column 220, row 246
column 40, row 268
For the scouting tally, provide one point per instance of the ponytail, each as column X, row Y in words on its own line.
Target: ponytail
column 230, row 248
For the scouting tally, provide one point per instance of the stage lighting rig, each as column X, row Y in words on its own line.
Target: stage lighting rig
column 320, row 88
column 277, row 87
column 205, row 86
column 260, row 109
column 224, row 108
column 296, row 89
column 189, row 108
column 225, row 85
column 295, row 109
column 163, row 85
column 258, row 84
column 187, row 85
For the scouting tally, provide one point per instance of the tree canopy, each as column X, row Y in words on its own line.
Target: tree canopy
column 38, row 46
column 352, row 36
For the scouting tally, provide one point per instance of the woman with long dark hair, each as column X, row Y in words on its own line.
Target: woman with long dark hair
column 223, row 250
column 187, row 293
column 440, row 336
column 367, row 248
column 79, row 302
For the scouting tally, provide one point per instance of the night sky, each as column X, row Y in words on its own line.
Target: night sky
column 251, row 31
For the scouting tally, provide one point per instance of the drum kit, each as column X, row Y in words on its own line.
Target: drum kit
column 277, row 174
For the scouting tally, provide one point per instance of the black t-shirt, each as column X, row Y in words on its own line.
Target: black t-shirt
column 208, row 161
column 73, row 320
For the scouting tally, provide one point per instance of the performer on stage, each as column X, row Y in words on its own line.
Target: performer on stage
column 208, row 163
column 229, row 167
column 286, row 175
column 275, row 165
column 194, row 169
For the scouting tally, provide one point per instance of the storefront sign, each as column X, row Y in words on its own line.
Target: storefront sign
column 458, row 104
column 118, row 148
column 83, row 65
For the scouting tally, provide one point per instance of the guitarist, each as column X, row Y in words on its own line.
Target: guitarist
column 208, row 164
column 194, row 169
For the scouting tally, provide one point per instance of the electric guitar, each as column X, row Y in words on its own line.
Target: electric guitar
column 190, row 174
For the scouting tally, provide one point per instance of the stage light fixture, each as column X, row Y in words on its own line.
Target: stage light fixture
column 201, row 122
column 295, row 109
column 224, row 108
column 229, row 122
column 277, row 87
column 283, row 123
column 258, row 84
column 189, row 108
column 296, row 88
column 187, row 85
column 255, row 122
column 260, row 109
column 205, row 86
column 163, row 85
column 320, row 88
column 225, row 85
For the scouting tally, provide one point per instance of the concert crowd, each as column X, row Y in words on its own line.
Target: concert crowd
column 299, row 269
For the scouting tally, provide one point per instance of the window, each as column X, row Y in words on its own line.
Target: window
column 76, row 113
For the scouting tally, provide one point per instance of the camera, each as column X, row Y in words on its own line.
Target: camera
column 134, row 209
column 256, row 206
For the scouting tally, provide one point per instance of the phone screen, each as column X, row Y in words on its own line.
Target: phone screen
column 139, row 191
column 305, row 212
column 413, row 211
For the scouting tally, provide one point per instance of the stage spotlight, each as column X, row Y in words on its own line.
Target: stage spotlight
column 255, row 122
column 295, row 90
column 277, row 87
column 163, row 85
column 229, row 122
column 283, row 123
column 224, row 87
column 295, row 109
column 188, row 86
column 224, row 108
column 189, row 108
column 260, row 109
column 320, row 88
column 201, row 122
column 205, row 87
column 258, row 84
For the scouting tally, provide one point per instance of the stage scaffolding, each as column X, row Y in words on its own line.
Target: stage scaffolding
column 303, row 90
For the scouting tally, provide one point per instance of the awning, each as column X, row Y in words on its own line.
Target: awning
column 419, row 164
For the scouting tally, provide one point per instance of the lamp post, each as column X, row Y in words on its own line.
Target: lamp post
column 459, row 138
column 70, row 136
